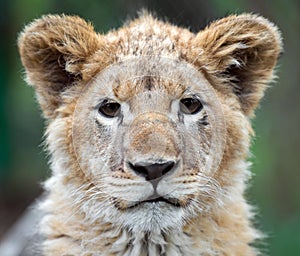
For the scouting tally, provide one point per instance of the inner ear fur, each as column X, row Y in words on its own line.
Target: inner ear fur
column 242, row 51
column 53, row 50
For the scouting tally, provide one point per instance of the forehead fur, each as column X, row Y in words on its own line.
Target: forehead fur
column 149, row 36
column 145, row 36
column 129, row 89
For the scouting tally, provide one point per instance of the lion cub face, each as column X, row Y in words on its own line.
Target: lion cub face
column 152, row 119
column 149, row 132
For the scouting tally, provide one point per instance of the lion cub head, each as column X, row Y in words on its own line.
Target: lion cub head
column 149, row 124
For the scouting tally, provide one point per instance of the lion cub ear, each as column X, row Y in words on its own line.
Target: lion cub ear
column 242, row 50
column 53, row 50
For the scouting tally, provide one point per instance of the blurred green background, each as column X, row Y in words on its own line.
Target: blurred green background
column 275, row 186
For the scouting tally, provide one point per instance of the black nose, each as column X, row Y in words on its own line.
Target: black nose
column 152, row 171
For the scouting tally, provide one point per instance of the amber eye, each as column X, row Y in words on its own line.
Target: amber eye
column 109, row 108
column 190, row 105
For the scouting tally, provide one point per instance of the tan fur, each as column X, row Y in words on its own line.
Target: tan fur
column 90, row 211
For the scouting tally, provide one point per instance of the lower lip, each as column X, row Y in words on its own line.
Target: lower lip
column 155, row 201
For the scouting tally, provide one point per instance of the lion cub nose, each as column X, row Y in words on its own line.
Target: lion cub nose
column 152, row 171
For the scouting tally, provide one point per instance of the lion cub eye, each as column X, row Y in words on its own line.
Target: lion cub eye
column 190, row 105
column 109, row 108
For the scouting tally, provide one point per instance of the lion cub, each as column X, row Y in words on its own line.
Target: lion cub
column 148, row 130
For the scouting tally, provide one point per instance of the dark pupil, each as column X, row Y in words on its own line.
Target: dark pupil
column 110, row 109
column 190, row 105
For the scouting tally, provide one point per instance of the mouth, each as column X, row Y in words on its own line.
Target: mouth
column 172, row 201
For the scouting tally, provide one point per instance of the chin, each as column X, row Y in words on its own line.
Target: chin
column 152, row 216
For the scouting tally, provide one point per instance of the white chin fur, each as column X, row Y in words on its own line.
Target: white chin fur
column 158, row 216
column 146, row 217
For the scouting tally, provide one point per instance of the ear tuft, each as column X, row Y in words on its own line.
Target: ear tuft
column 53, row 50
column 242, row 50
